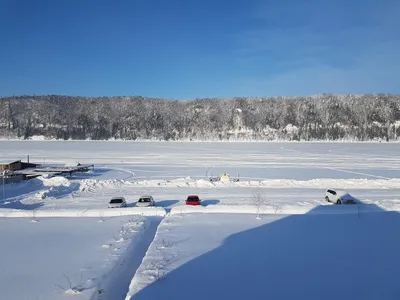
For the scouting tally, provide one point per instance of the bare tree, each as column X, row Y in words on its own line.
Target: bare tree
column 33, row 212
column 259, row 201
column 72, row 288
column 33, row 215
column 101, row 216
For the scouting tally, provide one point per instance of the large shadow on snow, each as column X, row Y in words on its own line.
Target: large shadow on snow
column 163, row 203
column 332, row 252
column 170, row 203
column 166, row 203
column 209, row 202
column 14, row 190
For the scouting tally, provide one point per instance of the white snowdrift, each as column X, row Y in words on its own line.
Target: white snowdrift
column 278, row 209
column 99, row 213
column 288, row 209
column 56, row 191
column 90, row 185
column 55, row 187
column 54, row 181
column 45, row 187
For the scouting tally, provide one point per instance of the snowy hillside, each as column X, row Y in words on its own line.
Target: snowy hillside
column 320, row 117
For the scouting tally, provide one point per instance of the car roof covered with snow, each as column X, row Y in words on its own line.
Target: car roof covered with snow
column 342, row 193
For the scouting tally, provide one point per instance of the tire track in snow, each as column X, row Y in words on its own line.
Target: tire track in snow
column 358, row 173
column 347, row 157
column 131, row 174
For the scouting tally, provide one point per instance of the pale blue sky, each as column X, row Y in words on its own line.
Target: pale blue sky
column 191, row 49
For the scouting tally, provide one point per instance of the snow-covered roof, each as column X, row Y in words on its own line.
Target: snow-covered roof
column 8, row 161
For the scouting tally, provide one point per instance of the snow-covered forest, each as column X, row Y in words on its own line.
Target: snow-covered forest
column 320, row 117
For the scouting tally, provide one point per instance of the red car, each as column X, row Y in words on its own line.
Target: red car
column 193, row 200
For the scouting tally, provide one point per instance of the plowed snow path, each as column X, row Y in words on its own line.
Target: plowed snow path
column 116, row 286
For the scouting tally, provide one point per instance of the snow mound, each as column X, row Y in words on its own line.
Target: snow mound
column 90, row 185
column 54, row 187
column 291, row 209
column 56, row 191
column 55, row 181
column 322, row 183
column 94, row 213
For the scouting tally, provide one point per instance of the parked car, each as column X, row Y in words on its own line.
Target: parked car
column 193, row 200
column 145, row 201
column 339, row 197
column 117, row 202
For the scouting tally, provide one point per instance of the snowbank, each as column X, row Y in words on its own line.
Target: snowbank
column 54, row 181
column 89, row 185
column 99, row 213
column 55, row 187
column 278, row 209
column 285, row 209
column 42, row 187
column 323, row 183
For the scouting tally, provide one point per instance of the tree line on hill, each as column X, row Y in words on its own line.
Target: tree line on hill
column 321, row 117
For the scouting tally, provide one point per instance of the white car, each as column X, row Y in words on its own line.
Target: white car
column 339, row 197
column 117, row 202
column 145, row 201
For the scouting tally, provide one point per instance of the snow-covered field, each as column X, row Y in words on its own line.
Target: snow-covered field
column 236, row 256
column 56, row 258
column 300, row 246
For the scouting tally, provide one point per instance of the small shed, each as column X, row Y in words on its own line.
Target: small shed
column 10, row 165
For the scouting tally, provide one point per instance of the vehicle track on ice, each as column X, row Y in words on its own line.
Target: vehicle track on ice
column 131, row 174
